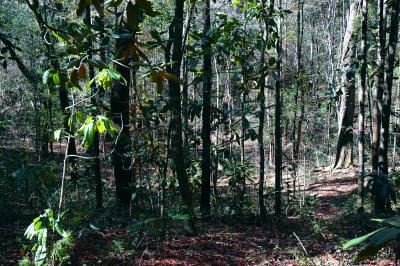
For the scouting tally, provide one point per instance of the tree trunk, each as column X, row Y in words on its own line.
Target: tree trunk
column 361, row 102
column 177, row 151
column 379, row 84
column 278, row 136
column 122, row 157
column 387, row 93
column 206, row 129
column 94, row 149
column 344, row 147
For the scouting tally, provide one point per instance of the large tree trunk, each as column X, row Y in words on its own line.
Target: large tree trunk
column 344, row 147
column 206, row 129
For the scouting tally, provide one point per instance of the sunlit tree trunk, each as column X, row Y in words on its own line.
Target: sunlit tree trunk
column 361, row 102
column 379, row 84
column 344, row 146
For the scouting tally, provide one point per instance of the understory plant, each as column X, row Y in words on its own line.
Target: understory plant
column 52, row 243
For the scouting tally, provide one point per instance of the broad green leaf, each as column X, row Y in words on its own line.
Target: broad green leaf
column 97, row 63
column 359, row 240
column 114, row 74
column 101, row 128
column 88, row 136
column 393, row 221
column 104, row 80
column 56, row 79
column 377, row 241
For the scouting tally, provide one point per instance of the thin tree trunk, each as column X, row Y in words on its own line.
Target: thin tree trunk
column 120, row 96
column 387, row 93
column 206, row 129
column 361, row 101
column 278, row 136
column 94, row 149
column 379, row 84
column 177, row 149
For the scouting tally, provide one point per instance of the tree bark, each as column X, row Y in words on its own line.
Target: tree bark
column 361, row 102
column 120, row 96
column 387, row 93
column 94, row 149
column 177, row 149
column 206, row 129
column 278, row 136
column 379, row 87
column 344, row 147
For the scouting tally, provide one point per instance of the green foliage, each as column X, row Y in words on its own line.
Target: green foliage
column 377, row 239
column 57, row 245
column 100, row 124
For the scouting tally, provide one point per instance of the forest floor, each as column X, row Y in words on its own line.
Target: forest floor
column 312, row 235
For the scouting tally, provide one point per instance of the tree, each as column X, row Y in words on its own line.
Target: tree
column 278, row 136
column 94, row 148
column 266, row 14
column 177, row 149
column 379, row 86
column 387, row 92
column 120, row 97
column 206, row 129
column 361, row 101
column 344, row 147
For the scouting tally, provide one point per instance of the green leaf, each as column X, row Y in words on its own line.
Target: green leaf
column 377, row 241
column 88, row 136
column 104, row 79
column 359, row 240
column 151, row 220
column 393, row 221
column 97, row 63
column 181, row 217
column 114, row 74
column 56, row 79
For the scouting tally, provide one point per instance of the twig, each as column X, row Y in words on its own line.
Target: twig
column 304, row 249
